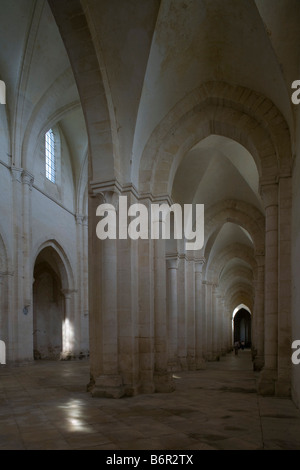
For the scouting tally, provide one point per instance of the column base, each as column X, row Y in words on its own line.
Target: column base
column 107, row 386
column 200, row 363
column 173, row 366
column 283, row 388
column 191, row 363
column 182, row 363
column 258, row 363
column 163, row 382
column 209, row 356
column 147, row 388
column 266, row 382
column 216, row 356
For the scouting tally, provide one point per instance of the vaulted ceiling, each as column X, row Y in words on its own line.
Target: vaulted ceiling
column 151, row 55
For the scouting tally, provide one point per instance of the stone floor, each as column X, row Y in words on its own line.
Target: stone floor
column 44, row 405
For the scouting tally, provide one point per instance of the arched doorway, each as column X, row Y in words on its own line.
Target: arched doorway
column 49, row 306
column 242, row 327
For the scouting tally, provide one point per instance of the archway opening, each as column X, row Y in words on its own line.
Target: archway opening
column 242, row 327
column 48, row 308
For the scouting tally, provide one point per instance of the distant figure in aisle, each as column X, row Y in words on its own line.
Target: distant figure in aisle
column 236, row 347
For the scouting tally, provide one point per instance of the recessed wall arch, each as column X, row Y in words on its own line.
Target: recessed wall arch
column 61, row 259
column 53, row 318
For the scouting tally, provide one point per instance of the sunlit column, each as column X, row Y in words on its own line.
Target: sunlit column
column 80, row 294
column 68, row 327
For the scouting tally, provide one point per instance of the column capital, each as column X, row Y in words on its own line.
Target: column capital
column 199, row 263
column 79, row 219
column 269, row 194
column 16, row 174
column 172, row 262
column 111, row 197
column 27, row 178
column 68, row 293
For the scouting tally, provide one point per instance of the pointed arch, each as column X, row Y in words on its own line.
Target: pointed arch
column 241, row 114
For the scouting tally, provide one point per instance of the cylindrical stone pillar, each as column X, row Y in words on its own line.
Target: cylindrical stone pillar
column 200, row 362
column 268, row 376
column 172, row 266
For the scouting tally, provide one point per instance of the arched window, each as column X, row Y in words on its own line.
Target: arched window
column 50, row 155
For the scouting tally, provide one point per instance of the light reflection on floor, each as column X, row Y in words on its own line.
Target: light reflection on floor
column 45, row 405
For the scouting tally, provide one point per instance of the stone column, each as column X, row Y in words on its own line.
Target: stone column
column 146, row 313
column 257, row 333
column 27, row 180
column 78, row 313
column 182, row 327
column 21, row 319
column 85, row 293
column 283, row 385
column 172, row 266
column 162, row 379
column 26, row 324
column 209, row 319
column 224, row 338
column 227, row 329
column 268, row 376
column 68, row 326
column 127, row 308
column 219, row 324
column 103, row 291
column 203, row 320
column 214, row 322
column 200, row 362
column 190, row 314
column 3, row 319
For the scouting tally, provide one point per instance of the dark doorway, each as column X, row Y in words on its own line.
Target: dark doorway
column 242, row 327
column 48, row 309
